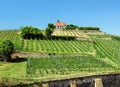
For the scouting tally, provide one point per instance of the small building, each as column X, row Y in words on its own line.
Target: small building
column 60, row 25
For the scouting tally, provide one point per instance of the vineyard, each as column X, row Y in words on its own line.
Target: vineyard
column 68, row 66
column 105, row 60
column 47, row 46
column 109, row 49
column 11, row 35
column 65, row 58
column 76, row 33
column 58, row 46
column 100, row 36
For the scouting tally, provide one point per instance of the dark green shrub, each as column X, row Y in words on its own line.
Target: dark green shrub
column 6, row 49
column 29, row 32
column 89, row 28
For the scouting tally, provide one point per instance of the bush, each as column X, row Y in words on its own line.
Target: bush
column 50, row 25
column 63, row 37
column 29, row 32
column 48, row 32
column 115, row 37
column 71, row 27
column 89, row 28
column 6, row 49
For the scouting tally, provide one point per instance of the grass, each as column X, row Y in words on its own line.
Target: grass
column 2, row 63
column 99, row 36
column 101, row 56
column 13, row 70
column 63, row 68
column 45, row 68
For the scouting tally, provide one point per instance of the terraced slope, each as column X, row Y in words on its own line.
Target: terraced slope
column 105, row 60
column 69, row 66
column 76, row 33
column 58, row 46
column 96, row 56
column 11, row 35
column 49, row 46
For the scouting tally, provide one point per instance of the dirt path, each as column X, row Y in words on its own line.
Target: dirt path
column 20, row 54
column 28, row 54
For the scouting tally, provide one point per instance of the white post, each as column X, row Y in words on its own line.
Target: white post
column 98, row 82
column 45, row 85
column 73, row 83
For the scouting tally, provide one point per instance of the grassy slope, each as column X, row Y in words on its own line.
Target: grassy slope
column 13, row 70
column 68, row 66
column 11, row 35
column 103, row 49
column 58, row 46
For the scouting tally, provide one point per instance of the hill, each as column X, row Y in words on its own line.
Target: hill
column 90, row 53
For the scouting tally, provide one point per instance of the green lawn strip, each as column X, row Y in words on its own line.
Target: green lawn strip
column 2, row 63
column 13, row 70
column 73, row 75
column 109, row 61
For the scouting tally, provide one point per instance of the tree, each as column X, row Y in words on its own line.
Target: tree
column 48, row 32
column 89, row 28
column 50, row 25
column 29, row 32
column 6, row 49
column 71, row 27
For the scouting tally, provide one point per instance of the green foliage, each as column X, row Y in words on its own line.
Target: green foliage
column 63, row 38
column 95, row 36
column 5, row 79
column 6, row 49
column 115, row 37
column 29, row 32
column 89, row 28
column 108, row 49
column 13, row 35
column 12, row 72
column 71, row 27
column 66, row 65
column 50, row 25
column 59, row 46
column 49, row 30
column 105, row 59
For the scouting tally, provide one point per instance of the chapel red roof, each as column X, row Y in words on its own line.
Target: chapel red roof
column 60, row 24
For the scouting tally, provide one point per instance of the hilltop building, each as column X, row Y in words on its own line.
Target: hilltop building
column 60, row 25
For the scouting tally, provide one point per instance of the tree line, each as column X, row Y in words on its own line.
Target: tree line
column 29, row 32
column 73, row 27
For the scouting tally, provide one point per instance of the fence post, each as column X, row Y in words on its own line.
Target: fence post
column 73, row 83
column 98, row 82
column 45, row 85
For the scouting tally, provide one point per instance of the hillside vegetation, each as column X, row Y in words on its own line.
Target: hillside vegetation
column 90, row 52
